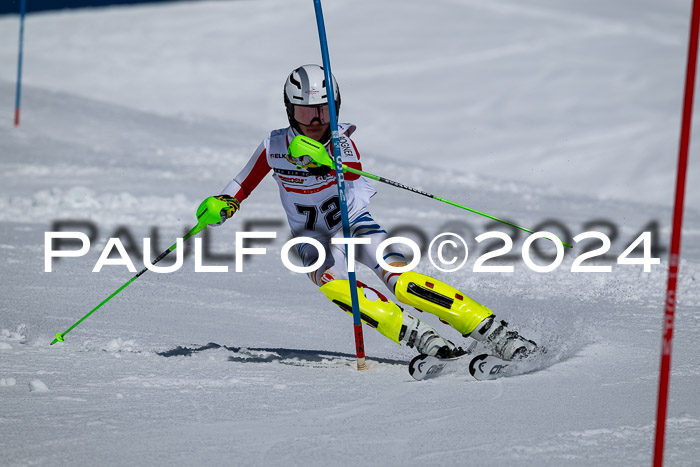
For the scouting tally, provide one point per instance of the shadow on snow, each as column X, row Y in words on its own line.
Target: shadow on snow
column 264, row 355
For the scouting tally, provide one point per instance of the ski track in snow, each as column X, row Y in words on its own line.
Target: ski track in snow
column 564, row 111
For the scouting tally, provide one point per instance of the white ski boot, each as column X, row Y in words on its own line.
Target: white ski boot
column 508, row 345
column 425, row 338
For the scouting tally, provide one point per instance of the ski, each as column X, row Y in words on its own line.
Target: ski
column 481, row 367
column 429, row 367
column 485, row 367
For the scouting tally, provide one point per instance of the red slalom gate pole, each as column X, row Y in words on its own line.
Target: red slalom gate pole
column 674, row 255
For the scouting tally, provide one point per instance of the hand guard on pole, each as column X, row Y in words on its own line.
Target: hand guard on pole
column 215, row 210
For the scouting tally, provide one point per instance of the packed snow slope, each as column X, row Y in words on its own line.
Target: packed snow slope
column 554, row 114
column 546, row 92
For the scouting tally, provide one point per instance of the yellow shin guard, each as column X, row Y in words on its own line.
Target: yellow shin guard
column 382, row 314
column 444, row 301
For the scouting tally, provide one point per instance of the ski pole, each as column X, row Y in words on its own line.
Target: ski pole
column 302, row 146
column 209, row 212
column 429, row 195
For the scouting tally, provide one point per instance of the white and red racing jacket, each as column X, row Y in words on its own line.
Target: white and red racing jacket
column 310, row 201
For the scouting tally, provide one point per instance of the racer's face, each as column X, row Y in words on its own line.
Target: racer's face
column 312, row 120
column 314, row 131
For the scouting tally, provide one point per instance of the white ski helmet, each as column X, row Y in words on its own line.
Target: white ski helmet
column 307, row 86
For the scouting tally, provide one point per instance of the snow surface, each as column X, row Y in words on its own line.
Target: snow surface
column 539, row 110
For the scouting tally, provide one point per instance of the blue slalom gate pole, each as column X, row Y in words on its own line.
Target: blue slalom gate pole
column 23, row 8
column 337, row 157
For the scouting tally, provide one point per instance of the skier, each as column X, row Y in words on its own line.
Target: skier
column 309, row 195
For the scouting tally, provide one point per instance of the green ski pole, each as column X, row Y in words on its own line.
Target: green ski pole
column 209, row 212
column 303, row 146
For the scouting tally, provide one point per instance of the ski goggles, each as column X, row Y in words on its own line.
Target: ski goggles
column 306, row 115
